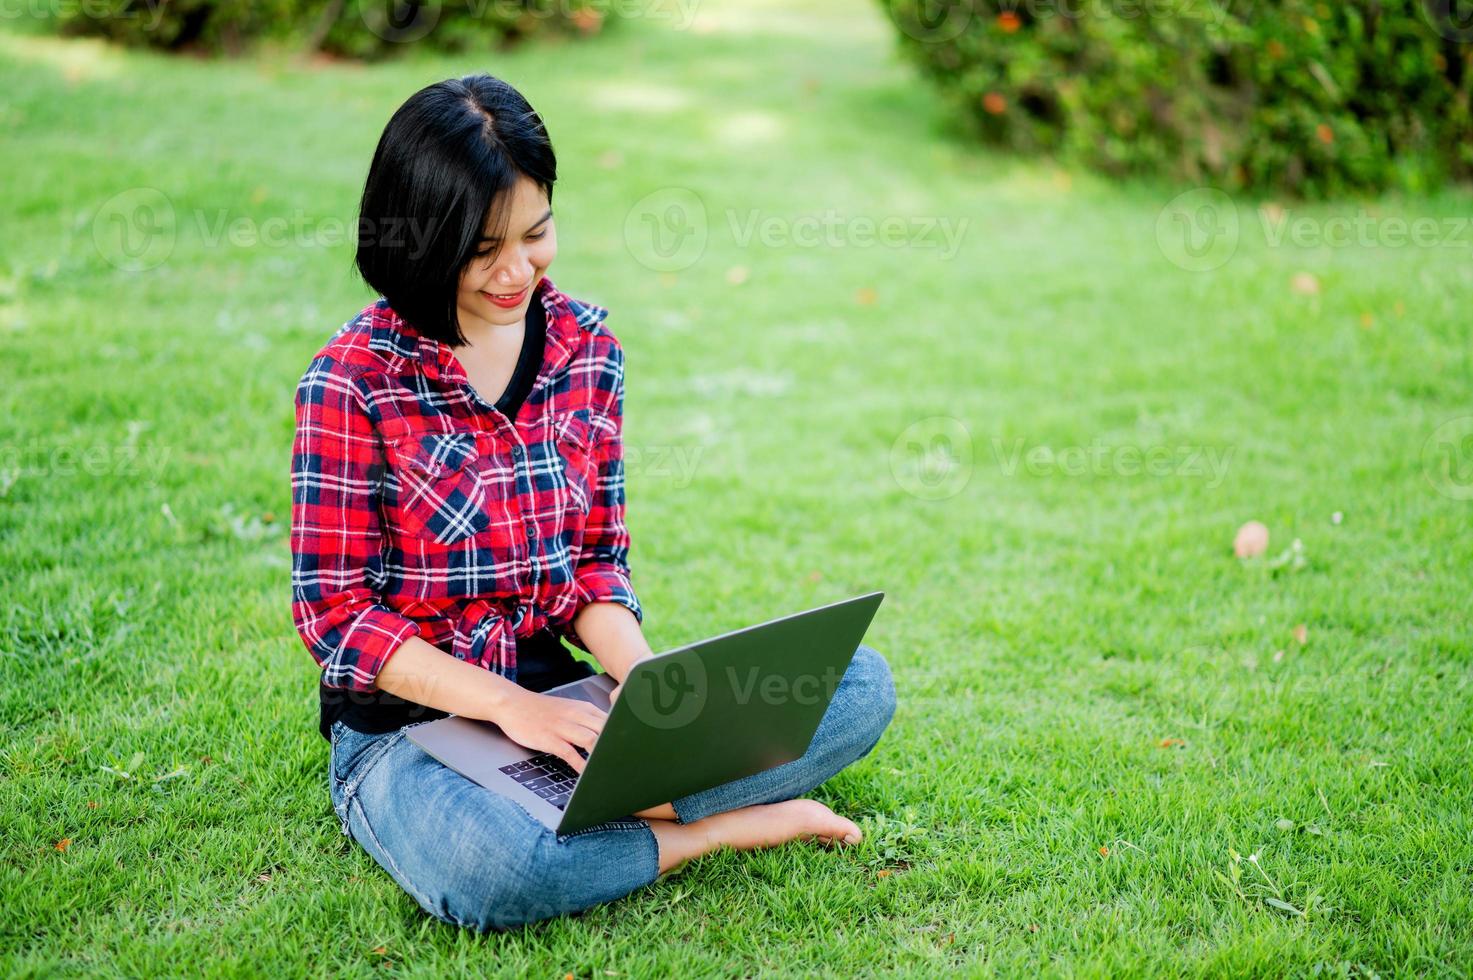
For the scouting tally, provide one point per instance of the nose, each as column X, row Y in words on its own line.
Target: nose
column 512, row 270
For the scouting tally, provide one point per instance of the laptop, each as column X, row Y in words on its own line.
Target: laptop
column 688, row 719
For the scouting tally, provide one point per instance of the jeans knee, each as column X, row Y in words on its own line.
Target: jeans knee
column 561, row 877
column 493, row 899
column 487, row 901
column 872, row 702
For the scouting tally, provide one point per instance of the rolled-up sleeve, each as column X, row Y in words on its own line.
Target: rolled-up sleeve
column 602, row 573
column 336, row 535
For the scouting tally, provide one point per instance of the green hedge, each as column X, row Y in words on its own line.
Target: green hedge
column 1315, row 99
column 353, row 28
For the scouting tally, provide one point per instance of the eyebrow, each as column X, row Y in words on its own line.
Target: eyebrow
column 539, row 221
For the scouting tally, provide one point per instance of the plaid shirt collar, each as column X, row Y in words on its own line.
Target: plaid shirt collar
column 405, row 346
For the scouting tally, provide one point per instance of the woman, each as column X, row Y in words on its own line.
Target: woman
column 458, row 508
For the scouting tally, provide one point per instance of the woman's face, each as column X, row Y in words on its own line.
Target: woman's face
column 497, row 285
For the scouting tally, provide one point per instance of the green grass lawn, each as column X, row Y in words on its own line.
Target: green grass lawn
column 1112, row 755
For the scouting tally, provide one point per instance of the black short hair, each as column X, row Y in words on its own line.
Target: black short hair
column 449, row 155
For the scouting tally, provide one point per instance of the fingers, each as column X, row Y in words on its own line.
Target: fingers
column 591, row 716
column 568, row 754
column 582, row 725
column 568, row 728
column 579, row 735
column 581, row 731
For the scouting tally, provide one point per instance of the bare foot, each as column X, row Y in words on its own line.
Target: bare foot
column 764, row 825
column 771, row 824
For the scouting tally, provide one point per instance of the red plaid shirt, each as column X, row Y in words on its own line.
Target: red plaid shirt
column 417, row 508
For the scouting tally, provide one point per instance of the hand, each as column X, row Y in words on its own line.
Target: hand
column 552, row 724
column 614, row 694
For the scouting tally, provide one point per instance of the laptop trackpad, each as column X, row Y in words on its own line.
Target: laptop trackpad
column 590, row 690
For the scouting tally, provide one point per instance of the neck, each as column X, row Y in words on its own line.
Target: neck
column 482, row 333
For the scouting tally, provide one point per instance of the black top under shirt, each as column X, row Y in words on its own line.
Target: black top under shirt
column 529, row 362
column 542, row 660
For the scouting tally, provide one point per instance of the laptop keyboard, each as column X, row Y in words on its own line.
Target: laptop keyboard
column 546, row 775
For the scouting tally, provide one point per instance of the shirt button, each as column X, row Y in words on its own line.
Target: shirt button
column 516, row 452
column 531, row 532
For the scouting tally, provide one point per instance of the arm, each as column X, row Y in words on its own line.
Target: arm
column 607, row 620
column 613, row 636
column 337, row 464
column 423, row 673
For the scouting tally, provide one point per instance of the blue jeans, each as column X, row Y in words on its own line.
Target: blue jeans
column 477, row 859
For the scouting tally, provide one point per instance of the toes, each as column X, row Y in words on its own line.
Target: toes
column 841, row 831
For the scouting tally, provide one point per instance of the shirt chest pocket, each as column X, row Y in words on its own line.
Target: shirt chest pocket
column 575, row 438
column 434, row 488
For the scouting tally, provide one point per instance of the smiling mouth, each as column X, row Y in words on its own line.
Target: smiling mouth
column 505, row 299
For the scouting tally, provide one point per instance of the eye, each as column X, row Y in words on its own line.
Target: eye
column 491, row 250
